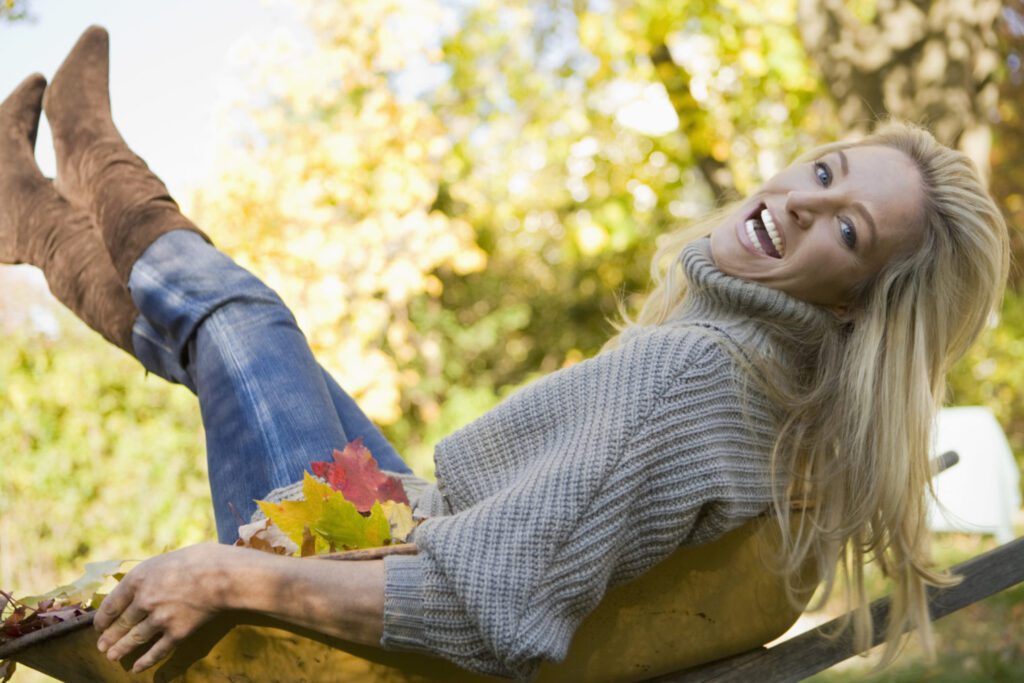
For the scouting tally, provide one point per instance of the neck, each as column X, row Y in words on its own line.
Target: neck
column 755, row 316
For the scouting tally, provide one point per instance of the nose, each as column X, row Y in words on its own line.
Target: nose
column 803, row 207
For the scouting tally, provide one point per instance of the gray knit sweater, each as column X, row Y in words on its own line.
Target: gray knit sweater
column 588, row 477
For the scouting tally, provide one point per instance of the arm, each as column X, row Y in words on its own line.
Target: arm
column 340, row 599
column 171, row 595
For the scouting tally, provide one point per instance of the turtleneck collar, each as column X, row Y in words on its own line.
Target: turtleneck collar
column 743, row 309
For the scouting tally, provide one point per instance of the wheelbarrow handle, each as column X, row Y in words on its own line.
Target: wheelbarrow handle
column 943, row 462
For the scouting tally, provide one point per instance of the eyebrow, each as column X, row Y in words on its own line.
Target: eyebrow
column 844, row 163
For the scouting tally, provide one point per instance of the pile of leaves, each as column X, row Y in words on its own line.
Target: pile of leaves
column 22, row 619
column 33, row 613
column 350, row 504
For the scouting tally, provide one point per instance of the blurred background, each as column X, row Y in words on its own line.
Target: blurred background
column 452, row 195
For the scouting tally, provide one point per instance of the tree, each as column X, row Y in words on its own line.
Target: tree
column 329, row 194
column 454, row 210
column 553, row 142
column 933, row 62
column 1008, row 132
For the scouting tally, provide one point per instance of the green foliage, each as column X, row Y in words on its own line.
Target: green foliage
column 992, row 373
column 98, row 461
column 1008, row 133
column 568, row 178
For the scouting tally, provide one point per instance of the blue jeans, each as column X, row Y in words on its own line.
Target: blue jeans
column 268, row 407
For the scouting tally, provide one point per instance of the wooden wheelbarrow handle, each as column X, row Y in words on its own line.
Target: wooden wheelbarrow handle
column 368, row 553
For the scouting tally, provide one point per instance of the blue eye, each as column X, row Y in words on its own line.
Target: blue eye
column 823, row 172
column 848, row 233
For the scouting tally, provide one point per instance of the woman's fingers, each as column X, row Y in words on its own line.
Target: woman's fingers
column 123, row 624
column 113, row 605
column 139, row 634
column 160, row 649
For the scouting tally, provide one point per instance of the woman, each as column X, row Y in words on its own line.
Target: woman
column 804, row 357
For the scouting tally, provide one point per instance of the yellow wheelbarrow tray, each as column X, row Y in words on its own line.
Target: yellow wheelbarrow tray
column 700, row 604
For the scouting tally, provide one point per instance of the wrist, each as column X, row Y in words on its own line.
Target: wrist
column 245, row 580
column 341, row 599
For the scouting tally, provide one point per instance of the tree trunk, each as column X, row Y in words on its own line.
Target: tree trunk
column 931, row 62
column 677, row 84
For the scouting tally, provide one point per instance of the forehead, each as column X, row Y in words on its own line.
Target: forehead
column 888, row 183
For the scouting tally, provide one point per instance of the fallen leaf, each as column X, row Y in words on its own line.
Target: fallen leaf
column 356, row 475
column 264, row 535
column 345, row 529
column 293, row 516
column 308, row 543
column 400, row 519
column 82, row 590
column 24, row 619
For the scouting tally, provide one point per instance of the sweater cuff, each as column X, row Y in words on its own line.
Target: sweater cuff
column 403, row 603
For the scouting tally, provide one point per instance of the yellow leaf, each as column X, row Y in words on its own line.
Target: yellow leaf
column 377, row 529
column 400, row 519
column 333, row 520
column 290, row 516
column 314, row 490
column 293, row 516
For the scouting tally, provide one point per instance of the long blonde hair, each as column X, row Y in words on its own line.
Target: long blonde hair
column 859, row 408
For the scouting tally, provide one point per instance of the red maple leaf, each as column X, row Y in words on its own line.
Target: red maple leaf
column 354, row 472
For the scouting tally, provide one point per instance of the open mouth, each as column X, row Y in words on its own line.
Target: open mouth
column 763, row 234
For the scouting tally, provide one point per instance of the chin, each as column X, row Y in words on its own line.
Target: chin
column 727, row 254
column 718, row 248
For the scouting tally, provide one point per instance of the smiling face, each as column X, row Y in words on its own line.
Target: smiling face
column 818, row 229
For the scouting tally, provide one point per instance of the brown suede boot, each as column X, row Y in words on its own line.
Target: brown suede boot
column 95, row 168
column 38, row 226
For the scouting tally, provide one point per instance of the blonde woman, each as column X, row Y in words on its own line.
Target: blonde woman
column 800, row 352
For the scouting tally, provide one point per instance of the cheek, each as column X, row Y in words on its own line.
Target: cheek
column 836, row 287
column 724, row 247
column 823, row 275
column 789, row 178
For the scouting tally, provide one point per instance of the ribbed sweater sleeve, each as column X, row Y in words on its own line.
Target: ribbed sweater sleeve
column 581, row 480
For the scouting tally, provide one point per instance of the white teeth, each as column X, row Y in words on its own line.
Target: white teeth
column 752, row 234
column 769, row 225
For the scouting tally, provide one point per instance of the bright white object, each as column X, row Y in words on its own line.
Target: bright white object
column 981, row 493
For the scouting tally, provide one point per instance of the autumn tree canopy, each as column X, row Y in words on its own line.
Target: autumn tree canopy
column 454, row 195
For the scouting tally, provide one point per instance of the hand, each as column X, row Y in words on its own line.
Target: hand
column 168, row 596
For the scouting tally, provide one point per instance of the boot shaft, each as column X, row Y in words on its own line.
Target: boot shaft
column 95, row 168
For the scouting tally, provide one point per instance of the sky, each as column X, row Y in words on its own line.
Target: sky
column 171, row 63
